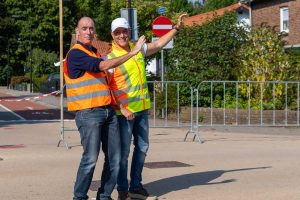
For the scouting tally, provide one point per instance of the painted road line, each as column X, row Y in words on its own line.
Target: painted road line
column 36, row 120
column 11, row 112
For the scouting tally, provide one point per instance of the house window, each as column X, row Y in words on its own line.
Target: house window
column 284, row 19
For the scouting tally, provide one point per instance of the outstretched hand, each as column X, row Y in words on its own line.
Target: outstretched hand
column 138, row 45
column 179, row 24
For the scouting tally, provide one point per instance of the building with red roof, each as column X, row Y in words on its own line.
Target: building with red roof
column 242, row 10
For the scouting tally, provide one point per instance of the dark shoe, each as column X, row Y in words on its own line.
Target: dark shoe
column 141, row 194
column 123, row 195
column 109, row 198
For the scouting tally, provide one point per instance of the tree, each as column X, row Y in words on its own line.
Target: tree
column 43, row 62
column 178, row 6
column 217, row 4
column 103, row 20
column 206, row 52
column 35, row 23
column 262, row 57
column 294, row 60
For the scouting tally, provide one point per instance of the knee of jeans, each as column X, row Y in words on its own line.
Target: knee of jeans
column 90, row 161
column 144, row 148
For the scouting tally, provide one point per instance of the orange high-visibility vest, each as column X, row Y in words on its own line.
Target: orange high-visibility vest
column 128, row 81
column 88, row 91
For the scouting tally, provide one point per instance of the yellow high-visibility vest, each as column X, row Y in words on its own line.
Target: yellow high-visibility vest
column 128, row 81
column 88, row 91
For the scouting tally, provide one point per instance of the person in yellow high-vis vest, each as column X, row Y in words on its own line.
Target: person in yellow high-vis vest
column 129, row 87
column 88, row 94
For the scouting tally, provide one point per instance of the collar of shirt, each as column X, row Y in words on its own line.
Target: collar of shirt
column 90, row 48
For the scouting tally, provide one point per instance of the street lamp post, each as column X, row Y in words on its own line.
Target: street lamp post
column 30, row 51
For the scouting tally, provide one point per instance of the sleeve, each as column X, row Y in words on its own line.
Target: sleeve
column 80, row 62
column 144, row 49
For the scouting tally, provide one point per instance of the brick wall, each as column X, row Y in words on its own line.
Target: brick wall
column 268, row 11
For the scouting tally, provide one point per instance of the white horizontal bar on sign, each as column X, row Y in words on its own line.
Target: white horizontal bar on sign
column 162, row 26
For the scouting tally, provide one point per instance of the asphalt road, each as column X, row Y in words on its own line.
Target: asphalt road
column 20, row 106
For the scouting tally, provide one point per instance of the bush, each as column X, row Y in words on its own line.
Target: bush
column 37, row 82
column 19, row 80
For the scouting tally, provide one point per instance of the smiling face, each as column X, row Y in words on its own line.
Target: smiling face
column 121, row 37
column 85, row 31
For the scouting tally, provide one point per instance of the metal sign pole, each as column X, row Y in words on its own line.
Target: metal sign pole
column 162, row 66
column 162, row 78
column 62, row 135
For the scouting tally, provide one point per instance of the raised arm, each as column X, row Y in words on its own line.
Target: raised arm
column 161, row 42
column 111, row 63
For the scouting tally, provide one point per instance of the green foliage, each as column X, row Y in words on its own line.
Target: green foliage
column 33, row 23
column 266, row 96
column 217, row 4
column 196, row 58
column 171, row 99
column 262, row 56
column 294, row 60
column 103, row 20
column 5, row 75
column 206, row 52
column 42, row 62
column 36, row 81
column 178, row 6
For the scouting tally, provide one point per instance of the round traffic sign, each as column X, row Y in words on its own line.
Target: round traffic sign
column 161, row 25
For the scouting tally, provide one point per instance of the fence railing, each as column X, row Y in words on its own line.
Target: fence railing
column 247, row 103
column 172, row 105
column 176, row 104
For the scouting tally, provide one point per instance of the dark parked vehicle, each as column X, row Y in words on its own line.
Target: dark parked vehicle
column 51, row 84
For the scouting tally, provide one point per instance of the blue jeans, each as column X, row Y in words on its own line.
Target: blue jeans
column 139, row 128
column 97, row 125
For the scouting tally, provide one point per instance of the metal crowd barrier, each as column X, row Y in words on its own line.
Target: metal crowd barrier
column 172, row 105
column 176, row 104
column 166, row 110
column 247, row 103
column 62, row 120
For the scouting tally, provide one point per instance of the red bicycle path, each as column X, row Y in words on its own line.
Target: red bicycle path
column 32, row 109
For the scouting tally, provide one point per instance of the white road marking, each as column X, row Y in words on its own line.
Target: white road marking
column 15, row 114
column 42, row 113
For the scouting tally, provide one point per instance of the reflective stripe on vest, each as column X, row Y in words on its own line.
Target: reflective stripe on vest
column 88, row 91
column 128, row 81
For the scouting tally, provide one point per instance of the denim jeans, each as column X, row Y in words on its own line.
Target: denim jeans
column 139, row 128
column 97, row 125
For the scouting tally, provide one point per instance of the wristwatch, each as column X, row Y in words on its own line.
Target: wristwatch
column 175, row 27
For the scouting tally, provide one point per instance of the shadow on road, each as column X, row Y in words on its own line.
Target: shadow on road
column 184, row 181
column 170, row 184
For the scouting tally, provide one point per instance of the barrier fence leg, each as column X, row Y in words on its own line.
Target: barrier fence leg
column 62, row 139
column 195, row 136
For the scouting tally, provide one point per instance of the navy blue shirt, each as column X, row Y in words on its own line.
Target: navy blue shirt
column 79, row 62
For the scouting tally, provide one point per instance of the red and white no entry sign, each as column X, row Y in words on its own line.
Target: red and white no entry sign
column 161, row 25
